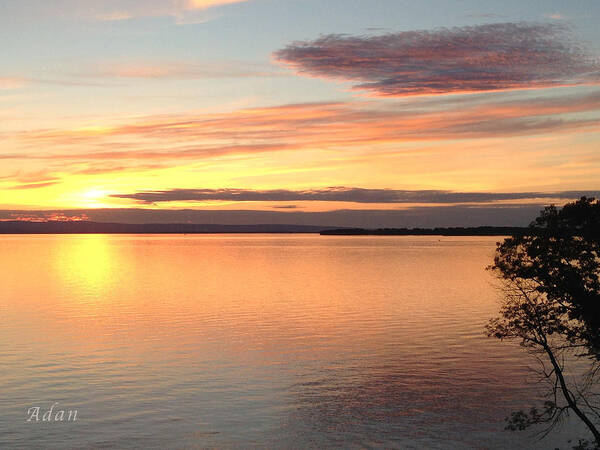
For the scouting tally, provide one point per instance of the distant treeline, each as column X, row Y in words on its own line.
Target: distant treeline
column 454, row 231
column 84, row 227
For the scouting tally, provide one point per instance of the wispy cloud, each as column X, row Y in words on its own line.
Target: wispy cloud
column 492, row 57
column 34, row 185
column 30, row 177
column 182, row 11
column 340, row 194
column 333, row 126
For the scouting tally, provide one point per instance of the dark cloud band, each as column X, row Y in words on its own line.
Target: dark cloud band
column 340, row 194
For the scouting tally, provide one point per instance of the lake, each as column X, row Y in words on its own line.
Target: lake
column 257, row 341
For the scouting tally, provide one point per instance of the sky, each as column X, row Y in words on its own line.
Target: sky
column 330, row 112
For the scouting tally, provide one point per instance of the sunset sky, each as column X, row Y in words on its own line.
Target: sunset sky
column 340, row 112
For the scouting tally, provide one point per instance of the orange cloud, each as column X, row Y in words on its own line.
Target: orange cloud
column 34, row 185
column 456, row 143
column 333, row 126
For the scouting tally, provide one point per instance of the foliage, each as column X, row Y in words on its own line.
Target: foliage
column 551, row 287
column 559, row 256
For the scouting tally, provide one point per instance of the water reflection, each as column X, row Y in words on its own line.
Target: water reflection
column 237, row 341
column 87, row 261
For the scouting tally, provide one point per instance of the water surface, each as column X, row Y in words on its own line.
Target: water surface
column 238, row 341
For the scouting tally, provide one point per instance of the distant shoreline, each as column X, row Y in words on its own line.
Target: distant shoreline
column 85, row 227
column 438, row 231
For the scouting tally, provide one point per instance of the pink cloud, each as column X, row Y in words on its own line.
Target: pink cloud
column 323, row 124
column 157, row 142
column 492, row 57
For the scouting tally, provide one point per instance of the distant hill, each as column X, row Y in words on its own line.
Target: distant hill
column 85, row 227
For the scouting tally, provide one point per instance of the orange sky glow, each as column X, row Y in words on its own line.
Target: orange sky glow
column 382, row 111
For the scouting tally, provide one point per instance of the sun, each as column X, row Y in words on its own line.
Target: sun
column 95, row 198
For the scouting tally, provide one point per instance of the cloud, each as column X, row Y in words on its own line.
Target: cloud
column 182, row 11
column 31, row 178
column 322, row 126
column 492, row 57
column 34, row 185
column 41, row 216
column 341, row 194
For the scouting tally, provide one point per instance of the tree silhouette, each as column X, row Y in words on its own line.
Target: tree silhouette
column 559, row 256
column 550, row 278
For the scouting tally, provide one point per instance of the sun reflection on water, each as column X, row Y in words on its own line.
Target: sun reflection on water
column 86, row 260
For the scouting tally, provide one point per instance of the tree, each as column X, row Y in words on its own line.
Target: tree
column 551, row 281
column 560, row 257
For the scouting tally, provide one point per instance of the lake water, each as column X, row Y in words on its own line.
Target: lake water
column 256, row 341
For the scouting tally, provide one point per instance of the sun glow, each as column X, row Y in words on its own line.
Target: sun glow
column 95, row 198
